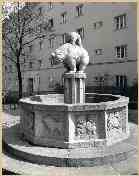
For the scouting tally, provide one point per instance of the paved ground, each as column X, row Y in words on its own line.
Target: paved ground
column 22, row 167
column 15, row 165
column 127, row 167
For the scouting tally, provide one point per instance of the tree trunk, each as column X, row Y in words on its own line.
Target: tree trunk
column 20, row 91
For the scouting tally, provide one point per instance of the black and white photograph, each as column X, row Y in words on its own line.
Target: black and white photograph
column 69, row 88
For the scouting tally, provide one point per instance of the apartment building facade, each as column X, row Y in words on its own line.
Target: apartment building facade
column 108, row 32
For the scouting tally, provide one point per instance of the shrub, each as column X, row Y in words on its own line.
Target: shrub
column 11, row 98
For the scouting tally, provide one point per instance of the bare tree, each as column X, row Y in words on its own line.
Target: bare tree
column 21, row 29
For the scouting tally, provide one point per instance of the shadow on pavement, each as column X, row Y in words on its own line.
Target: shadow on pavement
column 6, row 172
column 133, row 116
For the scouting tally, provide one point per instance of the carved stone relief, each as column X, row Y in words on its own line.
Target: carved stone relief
column 81, row 128
column 91, row 127
column 86, row 128
column 29, row 121
column 53, row 126
column 114, row 122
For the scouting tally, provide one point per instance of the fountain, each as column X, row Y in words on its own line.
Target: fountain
column 75, row 119
column 75, row 128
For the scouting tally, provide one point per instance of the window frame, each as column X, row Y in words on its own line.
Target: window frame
column 50, row 6
column 99, row 50
column 120, row 21
column 30, row 64
column 79, row 10
column 40, row 11
column 121, row 51
column 64, row 38
column 30, row 30
column 64, row 17
column 97, row 25
column 51, row 42
column 121, row 81
column 30, row 48
column 51, row 21
column 40, row 44
column 40, row 63
column 40, row 28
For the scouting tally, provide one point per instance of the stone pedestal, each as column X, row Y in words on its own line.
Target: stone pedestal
column 74, row 88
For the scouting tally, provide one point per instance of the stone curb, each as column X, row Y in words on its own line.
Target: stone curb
column 25, row 168
column 71, row 161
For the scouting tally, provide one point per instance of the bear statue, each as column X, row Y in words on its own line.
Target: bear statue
column 72, row 54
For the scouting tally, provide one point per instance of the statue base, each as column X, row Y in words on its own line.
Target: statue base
column 74, row 87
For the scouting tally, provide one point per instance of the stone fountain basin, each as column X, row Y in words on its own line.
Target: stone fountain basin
column 101, row 121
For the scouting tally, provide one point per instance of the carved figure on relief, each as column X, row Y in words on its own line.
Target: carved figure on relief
column 81, row 127
column 113, row 121
column 84, row 128
column 91, row 127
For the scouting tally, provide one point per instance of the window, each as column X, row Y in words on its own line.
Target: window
column 50, row 5
column 40, row 44
column 101, row 78
column 40, row 28
column 30, row 30
column 79, row 10
column 98, row 51
column 120, row 22
column 39, row 63
column 51, row 22
column 121, row 51
column 46, row 26
column 121, row 81
column 62, row 3
column 51, row 42
column 80, row 31
column 30, row 86
column 64, row 38
column 24, row 60
column 98, row 24
column 30, row 48
column 40, row 11
column 64, row 17
column 30, row 64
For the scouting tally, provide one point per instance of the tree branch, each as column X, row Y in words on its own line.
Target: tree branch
column 10, row 45
column 38, row 37
column 21, row 40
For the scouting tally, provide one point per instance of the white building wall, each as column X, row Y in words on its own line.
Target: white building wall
column 105, row 38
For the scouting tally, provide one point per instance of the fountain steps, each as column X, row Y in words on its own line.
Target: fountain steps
column 83, row 157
